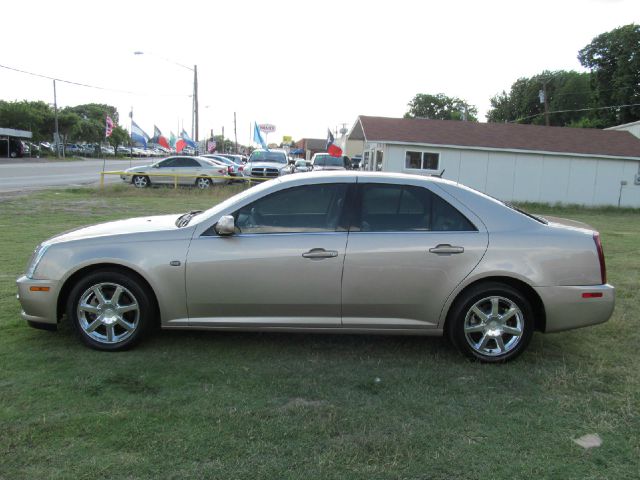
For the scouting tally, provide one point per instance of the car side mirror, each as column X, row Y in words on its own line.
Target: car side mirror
column 155, row 165
column 225, row 226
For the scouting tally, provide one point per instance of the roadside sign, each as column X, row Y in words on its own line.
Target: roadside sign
column 267, row 127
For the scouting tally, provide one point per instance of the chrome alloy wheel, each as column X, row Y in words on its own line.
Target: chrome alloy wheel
column 108, row 313
column 493, row 326
column 203, row 183
column 140, row 181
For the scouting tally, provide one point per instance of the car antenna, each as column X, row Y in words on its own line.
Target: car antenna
column 439, row 175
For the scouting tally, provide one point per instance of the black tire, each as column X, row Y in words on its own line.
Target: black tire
column 141, row 181
column 203, row 183
column 106, row 325
column 491, row 322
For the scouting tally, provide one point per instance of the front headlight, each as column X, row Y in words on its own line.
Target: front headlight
column 35, row 259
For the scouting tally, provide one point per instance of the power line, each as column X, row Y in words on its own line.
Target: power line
column 577, row 110
column 139, row 94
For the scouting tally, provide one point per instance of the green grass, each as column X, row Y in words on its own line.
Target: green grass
column 231, row 405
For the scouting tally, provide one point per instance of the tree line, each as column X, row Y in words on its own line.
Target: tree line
column 82, row 123
column 607, row 95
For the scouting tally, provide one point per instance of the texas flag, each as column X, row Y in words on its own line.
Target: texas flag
column 333, row 149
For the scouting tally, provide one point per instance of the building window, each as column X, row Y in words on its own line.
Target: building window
column 421, row 160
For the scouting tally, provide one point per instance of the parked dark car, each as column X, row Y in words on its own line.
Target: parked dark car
column 15, row 148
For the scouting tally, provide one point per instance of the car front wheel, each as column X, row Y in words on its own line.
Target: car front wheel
column 140, row 181
column 109, row 310
column 491, row 322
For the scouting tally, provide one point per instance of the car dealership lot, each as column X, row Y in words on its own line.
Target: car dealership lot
column 278, row 405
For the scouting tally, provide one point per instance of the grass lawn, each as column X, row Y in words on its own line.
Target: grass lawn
column 231, row 405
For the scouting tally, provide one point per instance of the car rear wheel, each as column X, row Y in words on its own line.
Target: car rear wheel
column 141, row 181
column 203, row 183
column 110, row 311
column 491, row 322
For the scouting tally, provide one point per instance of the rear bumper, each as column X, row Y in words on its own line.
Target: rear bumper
column 38, row 306
column 566, row 308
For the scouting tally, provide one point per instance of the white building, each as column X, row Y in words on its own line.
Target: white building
column 633, row 128
column 512, row 162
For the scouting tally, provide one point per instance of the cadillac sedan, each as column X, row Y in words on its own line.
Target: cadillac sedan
column 339, row 252
column 198, row 171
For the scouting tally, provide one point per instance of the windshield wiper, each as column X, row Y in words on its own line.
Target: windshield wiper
column 184, row 219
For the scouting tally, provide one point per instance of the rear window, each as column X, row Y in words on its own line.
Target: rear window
column 328, row 161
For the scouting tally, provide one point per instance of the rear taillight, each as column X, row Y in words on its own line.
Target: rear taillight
column 241, row 168
column 603, row 267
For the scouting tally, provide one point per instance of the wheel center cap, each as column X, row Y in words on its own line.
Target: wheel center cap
column 109, row 317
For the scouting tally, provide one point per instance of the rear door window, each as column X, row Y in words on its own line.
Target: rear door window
column 406, row 208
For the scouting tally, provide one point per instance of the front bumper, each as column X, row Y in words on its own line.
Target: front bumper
column 38, row 306
column 566, row 308
column 126, row 178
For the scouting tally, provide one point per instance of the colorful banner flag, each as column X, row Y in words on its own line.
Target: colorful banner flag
column 257, row 137
column 138, row 136
column 211, row 146
column 108, row 127
column 172, row 140
column 333, row 149
column 159, row 138
column 185, row 136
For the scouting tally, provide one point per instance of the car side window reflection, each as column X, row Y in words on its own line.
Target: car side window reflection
column 405, row 208
column 169, row 162
column 310, row 208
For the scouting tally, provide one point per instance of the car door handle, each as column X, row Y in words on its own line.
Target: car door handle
column 445, row 248
column 320, row 253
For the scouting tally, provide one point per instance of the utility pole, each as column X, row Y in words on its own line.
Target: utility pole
column 223, row 139
column 235, row 131
column 543, row 99
column 195, row 100
column 55, row 110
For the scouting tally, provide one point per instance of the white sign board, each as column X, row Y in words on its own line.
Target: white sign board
column 267, row 127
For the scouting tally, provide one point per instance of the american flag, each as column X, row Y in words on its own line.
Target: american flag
column 109, row 127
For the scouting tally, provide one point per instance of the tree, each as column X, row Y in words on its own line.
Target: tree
column 226, row 147
column 614, row 61
column 440, row 107
column 67, row 123
column 36, row 117
column 568, row 94
column 119, row 136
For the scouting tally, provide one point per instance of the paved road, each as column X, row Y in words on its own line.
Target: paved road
column 33, row 174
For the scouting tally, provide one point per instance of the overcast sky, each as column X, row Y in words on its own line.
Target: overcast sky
column 300, row 65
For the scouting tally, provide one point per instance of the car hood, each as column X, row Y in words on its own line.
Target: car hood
column 141, row 168
column 277, row 165
column 119, row 227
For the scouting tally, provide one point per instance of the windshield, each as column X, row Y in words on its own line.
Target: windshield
column 268, row 156
column 328, row 161
column 238, row 197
